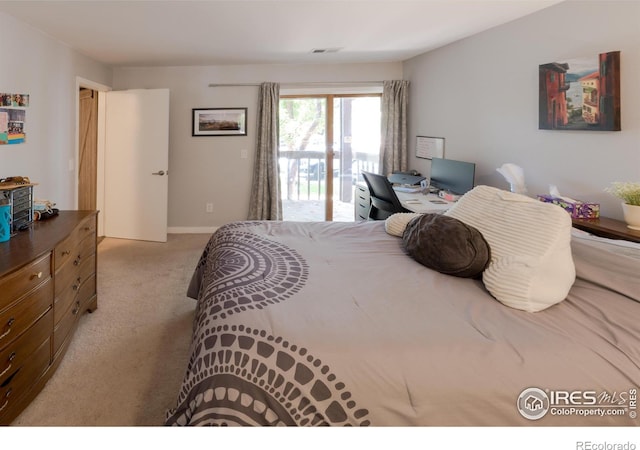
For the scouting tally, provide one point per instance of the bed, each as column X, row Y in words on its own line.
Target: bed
column 332, row 323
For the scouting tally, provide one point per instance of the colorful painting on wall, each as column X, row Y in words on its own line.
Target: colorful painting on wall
column 12, row 118
column 580, row 94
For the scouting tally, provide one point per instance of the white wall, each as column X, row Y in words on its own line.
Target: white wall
column 47, row 70
column 481, row 95
column 210, row 169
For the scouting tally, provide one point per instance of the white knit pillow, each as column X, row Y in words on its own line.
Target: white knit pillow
column 531, row 264
column 396, row 223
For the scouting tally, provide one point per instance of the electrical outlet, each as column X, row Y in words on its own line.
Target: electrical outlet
column 209, row 207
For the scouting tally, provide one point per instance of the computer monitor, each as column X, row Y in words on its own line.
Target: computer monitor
column 457, row 177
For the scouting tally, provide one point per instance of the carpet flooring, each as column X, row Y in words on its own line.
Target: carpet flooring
column 126, row 360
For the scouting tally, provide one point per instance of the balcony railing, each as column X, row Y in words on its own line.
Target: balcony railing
column 303, row 174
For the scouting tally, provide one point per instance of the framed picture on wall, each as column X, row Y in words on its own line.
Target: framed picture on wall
column 580, row 93
column 219, row 122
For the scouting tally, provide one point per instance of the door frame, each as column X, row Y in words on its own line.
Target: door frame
column 101, row 89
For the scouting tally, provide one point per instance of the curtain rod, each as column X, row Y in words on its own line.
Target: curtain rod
column 301, row 83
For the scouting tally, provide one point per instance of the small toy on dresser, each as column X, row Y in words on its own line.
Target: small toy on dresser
column 44, row 209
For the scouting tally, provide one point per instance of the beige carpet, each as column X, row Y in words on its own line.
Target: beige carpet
column 127, row 359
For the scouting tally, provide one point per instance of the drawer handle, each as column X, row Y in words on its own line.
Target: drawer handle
column 77, row 260
column 10, row 360
column 66, row 252
column 8, row 326
column 76, row 309
column 6, row 401
column 5, row 370
column 36, row 275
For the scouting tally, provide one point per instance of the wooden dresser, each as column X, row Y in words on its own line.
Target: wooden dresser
column 47, row 279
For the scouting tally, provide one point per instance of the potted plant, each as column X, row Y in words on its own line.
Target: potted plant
column 629, row 193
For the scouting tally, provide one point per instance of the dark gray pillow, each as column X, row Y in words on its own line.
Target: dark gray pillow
column 447, row 245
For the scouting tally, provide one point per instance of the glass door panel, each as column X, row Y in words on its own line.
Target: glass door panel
column 303, row 153
column 356, row 145
column 325, row 141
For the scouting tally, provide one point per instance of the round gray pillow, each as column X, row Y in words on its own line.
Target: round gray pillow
column 446, row 244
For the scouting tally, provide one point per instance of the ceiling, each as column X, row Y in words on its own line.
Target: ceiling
column 216, row 32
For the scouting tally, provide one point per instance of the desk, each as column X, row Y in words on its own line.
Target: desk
column 415, row 202
column 420, row 203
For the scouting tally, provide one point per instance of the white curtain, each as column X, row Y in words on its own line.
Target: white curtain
column 265, row 202
column 393, row 146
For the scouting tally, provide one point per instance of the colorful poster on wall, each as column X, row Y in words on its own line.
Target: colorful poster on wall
column 12, row 118
column 580, row 94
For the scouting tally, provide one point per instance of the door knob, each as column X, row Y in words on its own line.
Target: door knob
column 158, row 173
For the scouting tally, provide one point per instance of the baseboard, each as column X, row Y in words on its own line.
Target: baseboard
column 191, row 230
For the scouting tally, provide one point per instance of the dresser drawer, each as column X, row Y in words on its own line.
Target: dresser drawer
column 64, row 326
column 88, row 290
column 18, row 283
column 82, row 265
column 21, row 315
column 18, row 383
column 67, row 293
column 65, row 320
column 88, row 228
column 87, row 249
column 67, row 249
column 64, row 251
column 21, row 349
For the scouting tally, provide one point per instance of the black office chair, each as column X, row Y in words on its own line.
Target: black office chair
column 384, row 201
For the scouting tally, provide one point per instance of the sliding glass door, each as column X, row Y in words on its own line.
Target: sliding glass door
column 325, row 141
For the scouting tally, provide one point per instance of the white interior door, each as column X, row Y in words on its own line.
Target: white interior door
column 136, row 164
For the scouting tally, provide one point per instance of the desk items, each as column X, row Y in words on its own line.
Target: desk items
column 406, row 178
column 17, row 192
column 5, row 222
column 514, row 174
column 576, row 208
column 409, row 189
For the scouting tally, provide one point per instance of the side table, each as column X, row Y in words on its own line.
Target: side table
column 607, row 228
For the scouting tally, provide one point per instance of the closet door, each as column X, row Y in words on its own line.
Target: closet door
column 88, row 149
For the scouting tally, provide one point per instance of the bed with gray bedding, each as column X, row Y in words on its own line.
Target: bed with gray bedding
column 333, row 324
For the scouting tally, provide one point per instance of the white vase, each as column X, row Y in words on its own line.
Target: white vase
column 631, row 216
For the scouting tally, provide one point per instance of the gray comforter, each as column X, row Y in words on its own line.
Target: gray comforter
column 333, row 324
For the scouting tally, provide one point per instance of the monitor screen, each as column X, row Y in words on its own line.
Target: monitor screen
column 451, row 175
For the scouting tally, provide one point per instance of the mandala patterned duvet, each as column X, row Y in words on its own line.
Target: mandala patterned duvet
column 308, row 324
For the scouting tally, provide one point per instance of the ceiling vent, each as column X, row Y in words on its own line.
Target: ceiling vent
column 325, row 50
